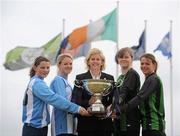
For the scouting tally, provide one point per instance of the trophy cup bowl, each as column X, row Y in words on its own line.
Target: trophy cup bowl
column 98, row 88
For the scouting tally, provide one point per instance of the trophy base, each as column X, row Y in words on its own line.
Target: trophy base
column 97, row 110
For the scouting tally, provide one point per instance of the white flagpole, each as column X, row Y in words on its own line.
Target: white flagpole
column 63, row 28
column 145, row 31
column 171, row 81
column 90, row 43
column 117, row 46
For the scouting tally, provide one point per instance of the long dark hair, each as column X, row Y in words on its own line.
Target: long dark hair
column 37, row 61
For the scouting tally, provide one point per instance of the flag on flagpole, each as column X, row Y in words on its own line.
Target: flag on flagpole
column 139, row 49
column 165, row 46
column 21, row 57
column 76, row 52
column 103, row 29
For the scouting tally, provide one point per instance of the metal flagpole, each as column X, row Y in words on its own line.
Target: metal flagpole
column 90, row 43
column 171, row 80
column 63, row 28
column 117, row 48
column 145, row 32
column 117, row 24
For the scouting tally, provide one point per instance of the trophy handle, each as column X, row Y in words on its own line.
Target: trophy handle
column 106, row 92
column 78, row 84
column 112, row 86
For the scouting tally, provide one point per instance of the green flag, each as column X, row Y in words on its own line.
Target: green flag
column 21, row 57
column 110, row 26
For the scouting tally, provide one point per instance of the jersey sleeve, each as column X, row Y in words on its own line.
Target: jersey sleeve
column 43, row 92
column 147, row 89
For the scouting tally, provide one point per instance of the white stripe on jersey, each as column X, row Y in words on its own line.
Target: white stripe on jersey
column 44, row 122
column 30, row 102
column 53, row 132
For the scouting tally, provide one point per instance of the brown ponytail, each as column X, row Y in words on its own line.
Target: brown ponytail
column 37, row 61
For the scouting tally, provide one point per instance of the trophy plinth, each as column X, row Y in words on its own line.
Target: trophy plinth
column 97, row 107
column 98, row 88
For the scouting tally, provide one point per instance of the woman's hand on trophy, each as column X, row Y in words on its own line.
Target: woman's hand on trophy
column 84, row 112
column 110, row 112
column 113, row 115
column 92, row 100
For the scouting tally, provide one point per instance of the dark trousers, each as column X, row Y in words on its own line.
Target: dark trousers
column 127, row 133
column 66, row 135
column 31, row 131
column 86, row 133
column 130, row 131
column 152, row 133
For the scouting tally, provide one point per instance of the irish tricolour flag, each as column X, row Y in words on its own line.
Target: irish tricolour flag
column 103, row 29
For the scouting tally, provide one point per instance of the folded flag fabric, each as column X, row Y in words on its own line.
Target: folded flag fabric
column 21, row 57
column 165, row 46
column 78, row 42
column 103, row 29
column 139, row 49
column 76, row 52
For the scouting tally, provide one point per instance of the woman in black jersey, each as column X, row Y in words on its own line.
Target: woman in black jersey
column 128, row 83
column 150, row 99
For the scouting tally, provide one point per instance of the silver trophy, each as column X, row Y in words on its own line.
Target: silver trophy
column 98, row 88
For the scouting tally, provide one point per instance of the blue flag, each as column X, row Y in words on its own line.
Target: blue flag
column 140, row 48
column 165, row 46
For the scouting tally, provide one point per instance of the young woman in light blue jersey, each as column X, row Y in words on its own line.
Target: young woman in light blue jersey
column 37, row 97
column 62, row 120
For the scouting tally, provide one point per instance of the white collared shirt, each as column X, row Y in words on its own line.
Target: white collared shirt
column 95, row 77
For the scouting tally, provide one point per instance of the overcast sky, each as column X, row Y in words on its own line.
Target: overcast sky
column 32, row 23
